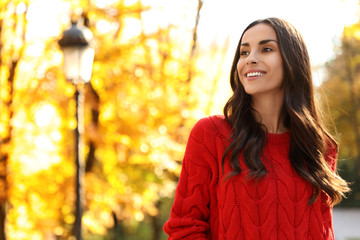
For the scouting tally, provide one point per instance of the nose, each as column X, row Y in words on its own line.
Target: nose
column 252, row 58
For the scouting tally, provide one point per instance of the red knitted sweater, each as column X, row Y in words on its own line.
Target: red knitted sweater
column 276, row 208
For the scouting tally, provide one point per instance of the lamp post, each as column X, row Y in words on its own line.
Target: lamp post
column 78, row 62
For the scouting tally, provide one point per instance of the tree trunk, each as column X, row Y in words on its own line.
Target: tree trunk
column 156, row 224
column 4, row 156
column 194, row 41
column 94, row 101
column 117, row 232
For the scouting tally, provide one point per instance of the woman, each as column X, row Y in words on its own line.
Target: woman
column 266, row 170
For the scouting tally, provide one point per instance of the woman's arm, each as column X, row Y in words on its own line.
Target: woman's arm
column 190, row 212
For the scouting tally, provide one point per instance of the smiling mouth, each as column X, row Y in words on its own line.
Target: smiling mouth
column 254, row 74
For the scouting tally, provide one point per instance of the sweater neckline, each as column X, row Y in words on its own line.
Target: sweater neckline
column 278, row 138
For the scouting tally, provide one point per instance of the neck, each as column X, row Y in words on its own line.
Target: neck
column 269, row 112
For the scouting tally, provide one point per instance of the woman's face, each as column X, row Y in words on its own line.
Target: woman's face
column 260, row 66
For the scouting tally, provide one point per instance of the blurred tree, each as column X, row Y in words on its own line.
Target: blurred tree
column 144, row 93
column 12, row 42
column 343, row 76
column 141, row 103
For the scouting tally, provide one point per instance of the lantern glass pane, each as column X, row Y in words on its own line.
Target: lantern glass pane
column 78, row 63
column 71, row 63
column 86, row 63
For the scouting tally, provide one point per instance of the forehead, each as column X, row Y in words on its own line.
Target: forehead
column 259, row 32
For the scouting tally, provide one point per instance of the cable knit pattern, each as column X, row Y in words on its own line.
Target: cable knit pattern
column 206, row 207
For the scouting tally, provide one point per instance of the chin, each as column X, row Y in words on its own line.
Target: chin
column 251, row 91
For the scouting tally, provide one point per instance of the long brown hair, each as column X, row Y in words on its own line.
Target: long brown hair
column 309, row 139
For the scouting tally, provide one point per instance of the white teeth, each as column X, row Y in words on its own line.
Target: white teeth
column 254, row 74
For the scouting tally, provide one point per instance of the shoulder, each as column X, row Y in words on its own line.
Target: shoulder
column 215, row 125
column 206, row 142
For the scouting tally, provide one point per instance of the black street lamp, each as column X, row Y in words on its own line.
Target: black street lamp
column 78, row 62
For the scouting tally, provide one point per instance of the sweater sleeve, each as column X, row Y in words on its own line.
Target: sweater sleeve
column 190, row 212
column 331, row 158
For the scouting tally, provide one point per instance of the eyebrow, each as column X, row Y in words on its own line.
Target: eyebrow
column 262, row 42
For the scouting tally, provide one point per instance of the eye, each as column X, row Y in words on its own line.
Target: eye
column 267, row 49
column 244, row 53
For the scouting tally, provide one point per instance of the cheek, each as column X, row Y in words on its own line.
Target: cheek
column 239, row 67
column 278, row 68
